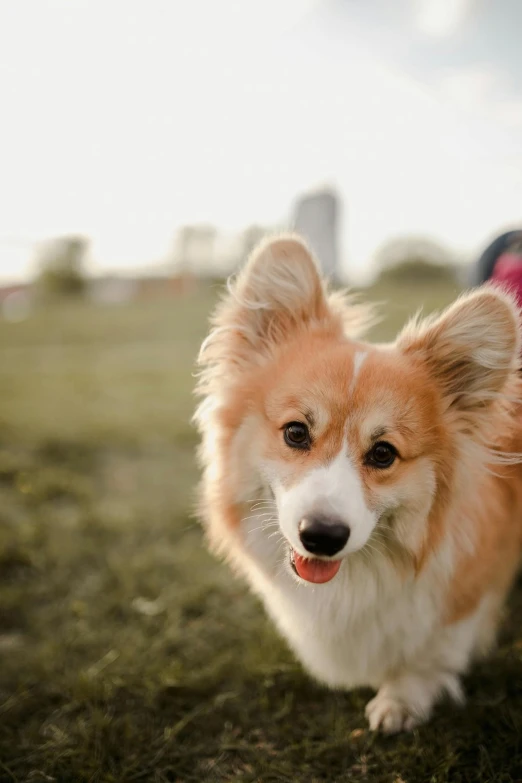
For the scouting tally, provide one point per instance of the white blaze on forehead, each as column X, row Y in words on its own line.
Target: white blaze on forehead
column 358, row 361
column 333, row 490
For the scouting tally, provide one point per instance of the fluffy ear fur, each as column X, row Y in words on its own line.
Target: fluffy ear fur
column 278, row 293
column 278, row 290
column 471, row 349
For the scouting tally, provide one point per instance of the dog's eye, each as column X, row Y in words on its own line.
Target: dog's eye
column 297, row 435
column 381, row 455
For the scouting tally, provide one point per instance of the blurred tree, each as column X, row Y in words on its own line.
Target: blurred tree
column 415, row 259
column 61, row 267
column 421, row 271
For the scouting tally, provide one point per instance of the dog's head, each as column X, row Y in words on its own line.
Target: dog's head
column 353, row 443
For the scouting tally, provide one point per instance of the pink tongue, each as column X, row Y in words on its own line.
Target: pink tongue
column 313, row 570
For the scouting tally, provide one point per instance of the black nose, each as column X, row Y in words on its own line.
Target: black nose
column 323, row 535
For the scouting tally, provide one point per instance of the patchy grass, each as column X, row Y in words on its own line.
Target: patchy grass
column 127, row 653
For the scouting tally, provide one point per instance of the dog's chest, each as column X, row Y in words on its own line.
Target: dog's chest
column 354, row 630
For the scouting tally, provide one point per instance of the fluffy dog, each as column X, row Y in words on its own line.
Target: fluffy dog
column 370, row 494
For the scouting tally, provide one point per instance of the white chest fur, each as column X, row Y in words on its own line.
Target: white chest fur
column 364, row 626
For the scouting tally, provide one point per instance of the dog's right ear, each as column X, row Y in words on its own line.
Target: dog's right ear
column 277, row 293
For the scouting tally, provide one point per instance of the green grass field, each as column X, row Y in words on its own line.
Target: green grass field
column 129, row 654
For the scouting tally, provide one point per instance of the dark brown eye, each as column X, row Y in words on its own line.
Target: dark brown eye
column 381, row 455
column 297, row 435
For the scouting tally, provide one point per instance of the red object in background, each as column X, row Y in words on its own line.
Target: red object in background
column 508, row 273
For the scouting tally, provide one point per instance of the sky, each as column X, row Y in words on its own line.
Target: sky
column 125, row 119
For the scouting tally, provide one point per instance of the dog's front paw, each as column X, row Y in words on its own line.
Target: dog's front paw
column 387, row 714
column 408, row 701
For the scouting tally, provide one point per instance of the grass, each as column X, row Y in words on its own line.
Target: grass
column 127, row 653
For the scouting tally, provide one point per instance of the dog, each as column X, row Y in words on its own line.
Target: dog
column 370, row 494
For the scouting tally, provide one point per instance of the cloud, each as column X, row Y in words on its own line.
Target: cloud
column 484, row 91
column 441, row 18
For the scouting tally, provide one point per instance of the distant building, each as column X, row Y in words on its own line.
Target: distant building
column 15, row 288
column 251, row 237
column 164, row 287
column 195, row 248
column 316, row 218
column 15, row 301
column 119, row 290
column 111, row 290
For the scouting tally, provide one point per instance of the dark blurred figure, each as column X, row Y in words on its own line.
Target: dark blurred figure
column 501, row 262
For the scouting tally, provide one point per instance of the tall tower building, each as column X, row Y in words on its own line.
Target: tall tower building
column 316, row 218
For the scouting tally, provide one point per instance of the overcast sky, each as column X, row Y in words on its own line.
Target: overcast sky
column 124, row 120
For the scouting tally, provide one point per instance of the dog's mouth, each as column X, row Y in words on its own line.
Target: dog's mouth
column 311, row 569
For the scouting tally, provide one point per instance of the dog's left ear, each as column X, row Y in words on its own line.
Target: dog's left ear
column 471, row 348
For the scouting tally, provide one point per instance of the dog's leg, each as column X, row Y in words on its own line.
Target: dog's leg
column 408, row 700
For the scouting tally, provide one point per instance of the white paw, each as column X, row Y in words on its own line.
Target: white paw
column 408, row 701
column 389, row 715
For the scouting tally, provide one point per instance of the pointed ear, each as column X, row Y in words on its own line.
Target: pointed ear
column 279, row 288
column 471, row 348
column 278, row 292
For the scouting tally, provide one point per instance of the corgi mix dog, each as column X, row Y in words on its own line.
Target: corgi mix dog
column 370, row 494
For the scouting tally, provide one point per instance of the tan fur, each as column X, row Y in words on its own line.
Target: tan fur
column 445, row 395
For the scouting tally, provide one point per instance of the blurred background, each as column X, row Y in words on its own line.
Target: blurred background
column 145, row 148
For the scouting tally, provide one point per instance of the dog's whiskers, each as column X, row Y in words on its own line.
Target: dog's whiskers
column 264, row 526
column 258, row 516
